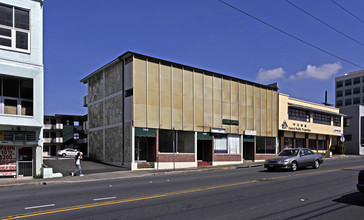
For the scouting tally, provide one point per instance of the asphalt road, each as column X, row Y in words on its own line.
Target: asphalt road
column 249, row 193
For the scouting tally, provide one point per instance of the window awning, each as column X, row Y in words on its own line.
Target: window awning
column 145, row 132
column 203, row 136
column 314, row 109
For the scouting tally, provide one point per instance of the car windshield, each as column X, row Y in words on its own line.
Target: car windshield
column 288, row 153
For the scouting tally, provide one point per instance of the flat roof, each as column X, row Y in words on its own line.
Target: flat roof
column 137, row 55
column 350, row 75
column 314, row 109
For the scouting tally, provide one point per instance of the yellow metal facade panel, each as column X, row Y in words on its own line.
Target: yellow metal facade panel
column 199, row 101
column 140, row 93
column 208, row 103
column 234, row 101
column 242, row 108
column 275, row 113
column 188, row 100
column 217, row 116
column 257, row 110
column 269, row 113
column 250, row 107
column 166, row 98
column 177, row 98
column 263, row 111
column 153, row 94
column 226, row 99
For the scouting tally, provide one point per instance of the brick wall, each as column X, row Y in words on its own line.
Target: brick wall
column 178, row 157
column 227, row 157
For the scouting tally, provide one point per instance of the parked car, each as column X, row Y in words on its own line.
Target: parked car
column 293, row 159
column 68, row 152
column 360, row 185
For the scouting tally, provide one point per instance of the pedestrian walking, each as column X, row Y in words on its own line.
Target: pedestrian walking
column 78, row 159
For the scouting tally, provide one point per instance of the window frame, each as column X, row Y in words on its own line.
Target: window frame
column 19, row 100
column 298, row 114
column 319, row 118
column 15, row 30
column 337, row 121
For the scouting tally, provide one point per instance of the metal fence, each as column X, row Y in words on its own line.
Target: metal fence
column 25, row 168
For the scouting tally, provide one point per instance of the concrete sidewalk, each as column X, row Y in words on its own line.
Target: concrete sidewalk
column 129, row 174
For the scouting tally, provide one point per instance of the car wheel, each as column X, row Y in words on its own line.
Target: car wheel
column 294, row 166
column 64, row 155
column 316, row 165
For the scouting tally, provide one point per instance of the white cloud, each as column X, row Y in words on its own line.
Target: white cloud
column 269, row 75
column 323, row 72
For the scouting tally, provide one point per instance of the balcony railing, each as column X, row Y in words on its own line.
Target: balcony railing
column 53, row 140
column 47, row 126
column 57, row 126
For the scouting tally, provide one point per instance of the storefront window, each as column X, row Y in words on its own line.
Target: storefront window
column 321, row 145
column 300, row 143
column 266, row 145
column 166, row 141
column 220, row 144
column 227, row 144
column 288, row 142
column 185, row 142
column 312, row 144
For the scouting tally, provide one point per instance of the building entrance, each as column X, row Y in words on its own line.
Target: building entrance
column 248, row 148
column 144, row 148
column 204, row 151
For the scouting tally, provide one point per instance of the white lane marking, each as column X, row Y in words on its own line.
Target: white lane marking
column 104, row 198
column 41, row 206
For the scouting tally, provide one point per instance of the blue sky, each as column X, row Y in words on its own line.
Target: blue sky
column 82, row 35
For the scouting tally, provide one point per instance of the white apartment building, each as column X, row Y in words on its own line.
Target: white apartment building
column 349, row 97
column 21, row 87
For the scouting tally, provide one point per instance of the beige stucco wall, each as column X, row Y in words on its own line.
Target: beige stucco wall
column 311, row 128
column 168, row 96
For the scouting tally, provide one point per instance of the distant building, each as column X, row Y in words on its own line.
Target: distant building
column 147, row 112
column 305, row 124
column 64, row 131
column 349, row 90
column 21, row 87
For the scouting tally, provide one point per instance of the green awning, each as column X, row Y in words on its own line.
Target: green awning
column 203, row 136
column 145, row 132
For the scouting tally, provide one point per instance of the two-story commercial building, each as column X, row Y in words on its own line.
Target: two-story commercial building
column 305, row 124
column 21, row 87
column 148, row 112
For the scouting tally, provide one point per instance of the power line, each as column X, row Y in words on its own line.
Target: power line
column 325, row 23
column 286, row 33
column 347, row 11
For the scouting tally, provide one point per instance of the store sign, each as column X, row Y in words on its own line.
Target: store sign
column 337, row 131
column 295, row 127
column 230, row 122
column 218, row 130
column 250, row 132
column 7, row 160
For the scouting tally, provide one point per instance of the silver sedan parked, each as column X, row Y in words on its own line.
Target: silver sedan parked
column 293, row 159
